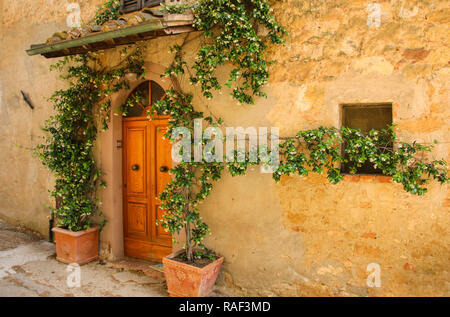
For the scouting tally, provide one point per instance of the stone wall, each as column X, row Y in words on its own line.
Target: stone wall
column 302, row 236
column 24, row 182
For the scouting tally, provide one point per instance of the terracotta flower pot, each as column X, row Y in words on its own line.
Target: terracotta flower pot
column 76, row 247
column 184, row 280
column 175, row 19
column 187, row 16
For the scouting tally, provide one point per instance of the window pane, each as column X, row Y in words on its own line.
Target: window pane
column 135, row 111
column 366, row 118
column 157, row 92
column 141, row 91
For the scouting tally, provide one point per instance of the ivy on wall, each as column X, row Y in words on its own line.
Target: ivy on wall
column 325, row 149
column 320, row 150
column 110, row 10
column 232, row 36
column 71, row 132
column 191, row 181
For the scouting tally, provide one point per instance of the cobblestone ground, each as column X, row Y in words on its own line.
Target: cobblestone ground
column 28, row 268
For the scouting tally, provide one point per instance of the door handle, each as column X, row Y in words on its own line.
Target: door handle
column 135, row 167
column 163, row 169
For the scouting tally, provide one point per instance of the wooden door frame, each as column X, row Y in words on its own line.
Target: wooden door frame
column 110, row 144
column 148, row 246
column 124, row 168
column 153, row 247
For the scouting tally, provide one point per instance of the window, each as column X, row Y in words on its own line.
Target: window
column 149, row 92
column 135, row 5
column 366, row 117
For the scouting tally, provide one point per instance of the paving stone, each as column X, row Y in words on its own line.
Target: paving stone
column 28, row 268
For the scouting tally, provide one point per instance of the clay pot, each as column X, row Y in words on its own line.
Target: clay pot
column 131, row 76
column 179, row 17
column 184, row 280
column 175, row 19
column 76, row 247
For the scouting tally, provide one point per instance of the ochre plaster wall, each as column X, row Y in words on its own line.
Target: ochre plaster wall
column 302, row 236
column 24, row 182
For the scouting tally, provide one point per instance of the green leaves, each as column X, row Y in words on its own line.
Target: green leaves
column 191, row 184
column 71, row 133
column 235, row 41
column 108, row 11
column 318, row 150
column 321, row 149
column 231, row 31
column 175, row 8
column 177, row 67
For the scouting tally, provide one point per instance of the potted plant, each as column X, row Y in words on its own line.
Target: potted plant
column 66, row 149
column 79, row 247
column 191, row 279
column 193, row 271
column 177, row 12
column 75, row 237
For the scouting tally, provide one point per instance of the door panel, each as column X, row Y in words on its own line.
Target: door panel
column 144, row 153
column 160, row 175
column 163, row 159
column 137, row 218
column 136, row 139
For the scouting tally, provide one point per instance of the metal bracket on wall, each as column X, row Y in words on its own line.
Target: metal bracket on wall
column 27, row 99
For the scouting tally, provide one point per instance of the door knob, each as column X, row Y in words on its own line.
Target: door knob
column 163, row 169
column 135, row 167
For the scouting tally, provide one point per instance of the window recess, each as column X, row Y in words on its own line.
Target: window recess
column 366, row 117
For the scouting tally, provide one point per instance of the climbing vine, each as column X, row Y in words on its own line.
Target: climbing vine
column 175, row 8
column 231, row 29
column 70, row 134
column 231, row 33
column 320, row 150
column 325, row 149
column 191, row 181
column 110, row 10
column 233, row 37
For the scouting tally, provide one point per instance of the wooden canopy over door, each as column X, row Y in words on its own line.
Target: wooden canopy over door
column 146, row 162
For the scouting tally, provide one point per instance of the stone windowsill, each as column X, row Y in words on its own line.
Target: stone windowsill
column 367, row 178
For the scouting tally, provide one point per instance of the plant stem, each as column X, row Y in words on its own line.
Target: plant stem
column 189, row 248
column 189, row 252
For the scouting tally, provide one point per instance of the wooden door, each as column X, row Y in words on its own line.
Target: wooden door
column 146, row 163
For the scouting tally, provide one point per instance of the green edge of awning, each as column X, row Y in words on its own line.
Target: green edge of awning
column 96, row 37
